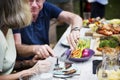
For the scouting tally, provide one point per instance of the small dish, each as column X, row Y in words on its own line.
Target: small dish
column 61, row 73
column 82, row 59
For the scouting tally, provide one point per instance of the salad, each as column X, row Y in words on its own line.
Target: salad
column 83, row 43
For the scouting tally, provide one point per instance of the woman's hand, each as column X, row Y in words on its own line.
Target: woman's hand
column 43, row 51
column 73, row 38
column 41, row 66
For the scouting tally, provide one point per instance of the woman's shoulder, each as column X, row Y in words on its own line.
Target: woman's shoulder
column 1, row 35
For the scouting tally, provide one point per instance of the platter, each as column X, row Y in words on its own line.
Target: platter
column 97, row 35
column 102, row 27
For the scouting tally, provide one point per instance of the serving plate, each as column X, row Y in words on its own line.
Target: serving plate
column 65, row 43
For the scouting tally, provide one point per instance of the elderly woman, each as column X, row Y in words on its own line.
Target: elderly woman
column 14, row 14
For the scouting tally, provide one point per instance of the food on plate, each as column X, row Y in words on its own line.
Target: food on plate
column 105, row 32
column 108, row 29
column 87, row 22
column 102, row 26
column 76, row 54
column 68, row 65
column 65, row 69
column 82, row 44
column 111, row 42
column 115, row 21
column 109, row 50
column 93, row 27
column 70, row 72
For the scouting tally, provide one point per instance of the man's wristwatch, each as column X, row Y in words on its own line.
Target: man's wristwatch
column 75, row 29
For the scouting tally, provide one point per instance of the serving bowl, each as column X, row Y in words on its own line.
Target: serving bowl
column 82, row 59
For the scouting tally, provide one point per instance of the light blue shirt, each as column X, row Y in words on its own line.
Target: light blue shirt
column 104, row 2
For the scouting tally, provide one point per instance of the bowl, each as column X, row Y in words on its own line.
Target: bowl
column 82, row 59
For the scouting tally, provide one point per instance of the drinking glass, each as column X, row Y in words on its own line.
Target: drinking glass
column 86, row 15
column 109, row 69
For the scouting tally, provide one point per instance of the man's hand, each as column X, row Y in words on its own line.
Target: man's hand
column 73, row 39
column 43, row 51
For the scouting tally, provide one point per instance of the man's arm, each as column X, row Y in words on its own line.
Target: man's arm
column 22, row 50
column 76, row 24
column 43, row 51
column 70, row 18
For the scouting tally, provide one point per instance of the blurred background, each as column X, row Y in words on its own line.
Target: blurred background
column 78, row 6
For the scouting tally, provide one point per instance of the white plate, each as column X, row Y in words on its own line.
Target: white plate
column 60, row 73
column 64, row 42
